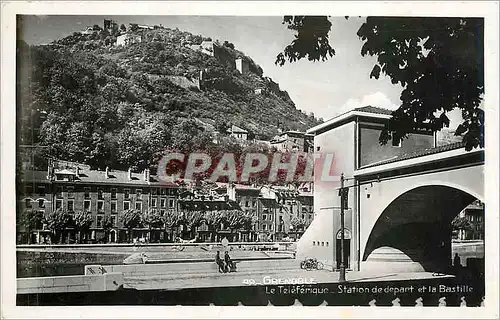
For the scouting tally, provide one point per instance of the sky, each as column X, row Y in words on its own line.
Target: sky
column 327, row 89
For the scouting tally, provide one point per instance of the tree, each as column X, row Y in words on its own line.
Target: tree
column 123, row 28
column 83, row 221
column 214, row 220
column 104, row 34
column 235, row 220
column 171, row 220
column 461, row 223
column 191, row 219
column 189, row 135
column 107, row 224
column 248, row 221
column 311, row 40
column 153, row 221
column 221, row 126
column 297, row 223
column 438, row 61
column 134, row 27
column 57, row 222
column 96, row 27
column 131, row 219
column 228, row 44
column 28, row 221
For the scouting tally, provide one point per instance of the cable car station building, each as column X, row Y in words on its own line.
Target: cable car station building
column 402, row 196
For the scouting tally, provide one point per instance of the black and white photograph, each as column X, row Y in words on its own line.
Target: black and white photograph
column 183, row 157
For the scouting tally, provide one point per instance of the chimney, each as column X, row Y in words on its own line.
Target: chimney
column 146, row 175
column 107, row 172
column 129, row 173
column 77, row 172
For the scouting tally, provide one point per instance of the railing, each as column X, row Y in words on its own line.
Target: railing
column 196, row 297
column 373, row 303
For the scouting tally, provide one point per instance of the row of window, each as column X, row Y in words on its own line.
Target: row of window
column 100, row 218
column 252, row 203
column 200, row 206
column 70, row 190
column 322, row 243
column 472, row 218
column 265, row 216
column 266, row 227
column 28, row 205
column 87, row 204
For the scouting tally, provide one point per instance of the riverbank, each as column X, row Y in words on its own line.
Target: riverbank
column 40, row 261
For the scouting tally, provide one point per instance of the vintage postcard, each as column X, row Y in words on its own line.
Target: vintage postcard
column 196, row 159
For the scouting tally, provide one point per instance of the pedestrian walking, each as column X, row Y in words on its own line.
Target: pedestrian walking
column 219, row 262
column 229, row 263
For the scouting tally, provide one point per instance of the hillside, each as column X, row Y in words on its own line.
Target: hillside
column 90, row 100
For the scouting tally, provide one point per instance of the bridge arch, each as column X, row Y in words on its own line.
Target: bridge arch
column 416, row 224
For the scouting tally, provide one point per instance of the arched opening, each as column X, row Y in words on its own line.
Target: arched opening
column 112, row 236
column 417, row 227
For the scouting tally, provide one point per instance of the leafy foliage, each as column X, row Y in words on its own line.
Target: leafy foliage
column 311, row 40
column 30, row 220
column 171, row 219
column 438, row 61
column 461, row 223
column 153, row 220
column 235, row 219
column 131, row 219
column 83, row 221
column 57, row 222
column 191, row 218
column 92, row 102
column 298, row 223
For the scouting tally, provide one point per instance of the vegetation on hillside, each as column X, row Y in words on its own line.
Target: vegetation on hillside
column 87, row 100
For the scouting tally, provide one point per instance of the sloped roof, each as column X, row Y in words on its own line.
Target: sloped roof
column 277, row 141
column 419, row 153
column 376, row 110
column 292, row 133
column 235, row 129
column 97, row 176
column 368, row 111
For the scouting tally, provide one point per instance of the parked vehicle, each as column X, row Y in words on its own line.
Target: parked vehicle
column 311, row 263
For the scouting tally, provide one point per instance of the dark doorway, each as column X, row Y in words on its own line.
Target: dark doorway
column 347, row 252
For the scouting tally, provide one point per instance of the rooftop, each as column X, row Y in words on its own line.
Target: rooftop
column 418, row 153
column 366, row 111
column 97, row 176
column 277, row 141
column 235, row 129
column 375, row 110
column 292, row 132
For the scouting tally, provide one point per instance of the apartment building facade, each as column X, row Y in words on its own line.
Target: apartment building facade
column 107, row 194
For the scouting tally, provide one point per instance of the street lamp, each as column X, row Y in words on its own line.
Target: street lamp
column 343, row 192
